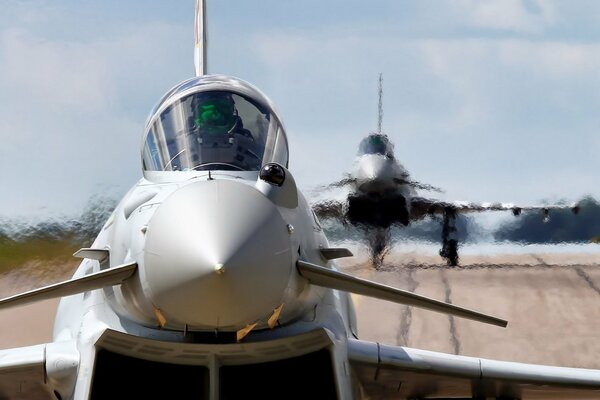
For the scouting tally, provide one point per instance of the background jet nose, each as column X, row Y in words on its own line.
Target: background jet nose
column 370, row 166
column 217, row 255
column 373, row 172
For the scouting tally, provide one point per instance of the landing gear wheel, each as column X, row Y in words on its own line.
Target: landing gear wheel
column 450, row 252
column 449, row 249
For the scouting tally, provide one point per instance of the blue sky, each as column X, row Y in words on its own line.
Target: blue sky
column 491, row 100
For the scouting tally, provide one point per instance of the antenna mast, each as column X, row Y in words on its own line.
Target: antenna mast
column 380, row 106
column 200, row 38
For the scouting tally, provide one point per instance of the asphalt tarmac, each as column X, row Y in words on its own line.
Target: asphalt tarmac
column 551, row 302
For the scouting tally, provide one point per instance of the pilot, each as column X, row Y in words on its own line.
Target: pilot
column 376, row 143
column 222, row 138
column 215, row 114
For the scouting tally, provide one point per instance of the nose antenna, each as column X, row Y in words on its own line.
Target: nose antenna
column 200, row 38
column 380, row 106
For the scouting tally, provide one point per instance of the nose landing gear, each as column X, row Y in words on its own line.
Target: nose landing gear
column 449, row 249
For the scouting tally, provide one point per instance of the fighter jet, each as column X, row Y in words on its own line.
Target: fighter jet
column 212, row 279
column 382, row 194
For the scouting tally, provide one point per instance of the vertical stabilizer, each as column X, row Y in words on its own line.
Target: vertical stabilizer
column 200, row 38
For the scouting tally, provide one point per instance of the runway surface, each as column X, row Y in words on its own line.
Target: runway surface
column 551, row 300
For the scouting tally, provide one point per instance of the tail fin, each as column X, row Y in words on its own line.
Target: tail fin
column 380, row 105
column 200, row 38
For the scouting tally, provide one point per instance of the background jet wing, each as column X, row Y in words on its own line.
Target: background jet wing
column 23, row 373
column 421, row 206
column 393, row 372
column 329, row 209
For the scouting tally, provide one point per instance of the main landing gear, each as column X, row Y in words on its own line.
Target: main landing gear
column 379, row 242
column 449, row 249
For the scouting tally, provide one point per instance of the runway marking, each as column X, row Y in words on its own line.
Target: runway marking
column 539, row 259
column 588, row 279
column 453, row 333
column 406, row 317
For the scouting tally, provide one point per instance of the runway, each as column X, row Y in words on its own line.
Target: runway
column 551, row 300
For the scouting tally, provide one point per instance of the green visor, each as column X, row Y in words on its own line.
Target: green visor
column 216, row 115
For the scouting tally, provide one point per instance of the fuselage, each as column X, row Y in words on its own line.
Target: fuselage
column 380, row 176
column 216, row 282
column 380, row 194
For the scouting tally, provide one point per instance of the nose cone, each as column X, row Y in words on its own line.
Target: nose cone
column 374, row 173
column 217, row 255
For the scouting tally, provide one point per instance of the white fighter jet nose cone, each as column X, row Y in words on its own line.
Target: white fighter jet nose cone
column 373, row 172
column 217, row 255
column 372, row 167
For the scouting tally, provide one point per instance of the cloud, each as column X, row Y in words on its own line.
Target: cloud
column 520, row 16
column 497, row 84
column 511, row 106
column 73, row 111
column 466, row 59
column 67, row 74
column 555, row 59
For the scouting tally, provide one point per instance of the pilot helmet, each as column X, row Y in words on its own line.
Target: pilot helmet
column 214, row 112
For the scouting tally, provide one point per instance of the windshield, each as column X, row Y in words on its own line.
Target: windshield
column 214, row 130
column 376, row 144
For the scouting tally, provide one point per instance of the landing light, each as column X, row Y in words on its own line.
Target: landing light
column 272, row 173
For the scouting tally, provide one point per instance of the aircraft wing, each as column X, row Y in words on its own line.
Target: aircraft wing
column 23, row 373
column 421, row 206
column 393, row 372
column 331, row 209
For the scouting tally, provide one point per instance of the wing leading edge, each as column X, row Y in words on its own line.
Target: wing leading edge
column 393, row 372
column 421, row 206
column 22, row 373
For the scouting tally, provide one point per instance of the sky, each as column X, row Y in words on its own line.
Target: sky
column 491, row 100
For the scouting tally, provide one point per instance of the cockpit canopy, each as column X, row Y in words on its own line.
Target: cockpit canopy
column 213, row 123
column 376, row 143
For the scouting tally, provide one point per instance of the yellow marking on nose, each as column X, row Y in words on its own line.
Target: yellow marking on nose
column 244, row 331
column 275, row 317
column 160, row 317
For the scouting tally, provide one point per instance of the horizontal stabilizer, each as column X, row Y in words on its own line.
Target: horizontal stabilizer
column 97, row 280
column 335, row 252
column 332, row 279
column 93, row 254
